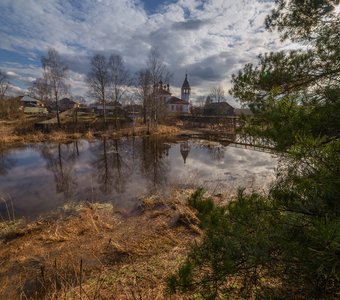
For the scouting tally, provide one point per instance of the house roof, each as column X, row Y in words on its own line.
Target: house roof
column 175, row 100
column 218, row 109
column 29, row 99
column 218, row 105
column 242, row 111
column 67, row 101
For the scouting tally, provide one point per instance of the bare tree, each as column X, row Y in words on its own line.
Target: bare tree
column 156, row 66
column 200, row 101
column 147, row 80
column 55, row 72
column 217, row 94
column 99, row 80
column 208, row 100
column 119, row 77
column 40, row 90
column 158, row 72
column 4, row 84
column 120, row 80
column 144, row 90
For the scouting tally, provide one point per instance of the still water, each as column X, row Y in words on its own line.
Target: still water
column 39, row 178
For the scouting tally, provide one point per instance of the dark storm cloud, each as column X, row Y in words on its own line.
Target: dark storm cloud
column 77, row 63
column 190, row 25
column 213, row 68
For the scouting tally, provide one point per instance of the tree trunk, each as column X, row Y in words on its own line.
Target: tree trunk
column 57, row 108
column 104, row 111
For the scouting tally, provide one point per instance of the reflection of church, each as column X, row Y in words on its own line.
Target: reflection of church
column 185, row 149
column 175, row 105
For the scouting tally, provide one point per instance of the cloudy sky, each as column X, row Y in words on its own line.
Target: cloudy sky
column 211, row 39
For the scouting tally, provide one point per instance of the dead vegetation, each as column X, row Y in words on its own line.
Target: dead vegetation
column 10, row 135
column 91, row 251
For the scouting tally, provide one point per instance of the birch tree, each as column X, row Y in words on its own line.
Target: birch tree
column 40, row 90
column 119, row 77
column 143, row 91
column 157, row 72
column 55, row 73
column 4, row 84
column 99, row 80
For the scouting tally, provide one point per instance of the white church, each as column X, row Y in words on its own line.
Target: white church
column 176, row 105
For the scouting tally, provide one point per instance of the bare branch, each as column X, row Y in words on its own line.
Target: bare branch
column 4, row 84
column 99, row 80
column 55, row 72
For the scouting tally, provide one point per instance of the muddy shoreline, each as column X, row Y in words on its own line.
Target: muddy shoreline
column 94, row 250
column 9, row 136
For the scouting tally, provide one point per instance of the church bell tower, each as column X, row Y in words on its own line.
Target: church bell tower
column 185, row 91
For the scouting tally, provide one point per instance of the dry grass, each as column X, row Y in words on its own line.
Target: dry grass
column 6, row 132
column 9, row 136
column 166, row 129
column 91, row 251
column 89, row 135
column 139, row 131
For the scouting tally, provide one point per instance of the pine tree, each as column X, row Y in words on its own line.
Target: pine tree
column 285, row 244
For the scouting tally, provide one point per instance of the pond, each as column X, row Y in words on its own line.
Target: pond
column 38, row 178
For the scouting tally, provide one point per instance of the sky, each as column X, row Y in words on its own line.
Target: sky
column 208, row 39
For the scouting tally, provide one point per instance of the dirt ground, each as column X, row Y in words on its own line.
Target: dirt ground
column 91, row 251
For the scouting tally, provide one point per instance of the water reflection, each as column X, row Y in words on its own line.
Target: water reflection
column 6, row 163
column 185, row 149
column 61, row 159
column 154, row 162
column 110, row 168
column 41, row 177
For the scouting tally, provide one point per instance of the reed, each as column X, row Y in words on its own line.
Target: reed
column 7, row 200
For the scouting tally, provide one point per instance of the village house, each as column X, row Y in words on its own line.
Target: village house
column 218, row 109
column 28, row 101
column 32, row 106
column 67, row 103
column 134, row 111
column 242, row 112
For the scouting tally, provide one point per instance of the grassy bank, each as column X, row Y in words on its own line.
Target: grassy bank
column 91, row 251
column 11, row 133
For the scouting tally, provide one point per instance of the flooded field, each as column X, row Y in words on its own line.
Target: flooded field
column 38, row 178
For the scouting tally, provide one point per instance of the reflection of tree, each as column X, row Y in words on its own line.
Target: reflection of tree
column 112, row 171
column 60, row 160
column 216, row 152
column 153, row 164
column 6, row 163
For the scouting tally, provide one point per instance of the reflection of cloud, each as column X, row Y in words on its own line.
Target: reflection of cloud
column 239, row 167
column 28, row 184
column 32, row 186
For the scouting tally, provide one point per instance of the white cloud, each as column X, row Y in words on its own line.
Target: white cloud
column 211, row 39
